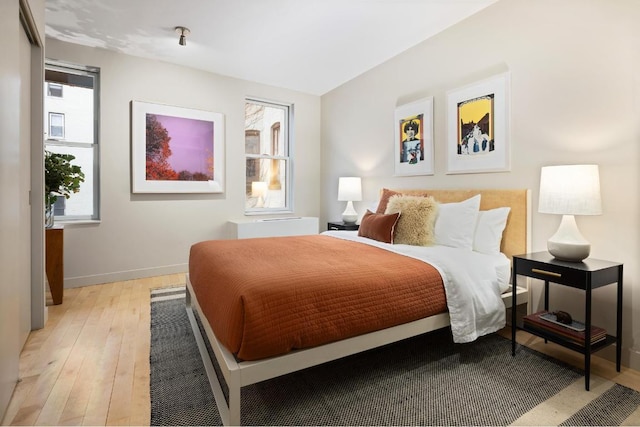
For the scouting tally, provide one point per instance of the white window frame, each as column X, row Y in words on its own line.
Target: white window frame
column 51, row 116
column 94, row 72
column 286, row 129
column 58, row 86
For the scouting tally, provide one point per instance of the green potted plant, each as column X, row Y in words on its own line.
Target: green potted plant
column 61, row 178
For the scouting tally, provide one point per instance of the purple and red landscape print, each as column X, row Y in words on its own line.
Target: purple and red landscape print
column 178, row 148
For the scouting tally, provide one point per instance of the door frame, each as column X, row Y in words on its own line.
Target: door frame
column 38, row 292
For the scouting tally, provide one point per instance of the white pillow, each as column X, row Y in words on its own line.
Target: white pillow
column 456, row 223
column 489, row 228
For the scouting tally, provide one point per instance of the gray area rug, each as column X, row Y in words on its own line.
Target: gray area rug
column 426, row 380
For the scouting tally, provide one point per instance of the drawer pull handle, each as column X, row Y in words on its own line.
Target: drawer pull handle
column 548, row 273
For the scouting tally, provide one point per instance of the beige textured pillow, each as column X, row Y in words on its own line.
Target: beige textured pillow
column 417, row 220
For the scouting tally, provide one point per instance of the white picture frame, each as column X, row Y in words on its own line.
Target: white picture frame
column 191, row 159
column 478, row 128
column 413, row 142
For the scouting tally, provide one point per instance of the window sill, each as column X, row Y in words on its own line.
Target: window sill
column 80, row 222
column 267, row 212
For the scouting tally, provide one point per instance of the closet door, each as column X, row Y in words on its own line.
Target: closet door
column 21, row 184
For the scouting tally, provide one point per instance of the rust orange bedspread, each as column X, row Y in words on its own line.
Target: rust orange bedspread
column 267, row 296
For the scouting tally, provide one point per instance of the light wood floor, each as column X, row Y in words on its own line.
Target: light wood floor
column 90, row 364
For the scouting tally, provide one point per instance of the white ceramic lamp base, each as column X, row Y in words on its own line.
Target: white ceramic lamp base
column 568, row 244
column 349, row 216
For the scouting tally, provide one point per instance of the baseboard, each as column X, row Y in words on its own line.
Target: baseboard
column 119, row 276
column 521, row 311
column 630, row 357
column 634, row 359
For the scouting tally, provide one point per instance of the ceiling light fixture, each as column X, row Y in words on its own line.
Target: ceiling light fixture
column 184, row 32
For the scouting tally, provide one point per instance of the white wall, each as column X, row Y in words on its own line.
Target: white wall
column 142, row 235
column 575, row 81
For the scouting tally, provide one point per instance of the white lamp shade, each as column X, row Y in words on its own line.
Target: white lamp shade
column 570, row 190
column 349, row 189
column 258, row 188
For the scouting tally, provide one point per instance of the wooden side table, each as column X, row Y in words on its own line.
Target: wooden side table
column 54, row 255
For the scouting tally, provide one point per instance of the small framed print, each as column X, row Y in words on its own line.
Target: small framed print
column 176, row 150
column 413, row 150
column 478, row 127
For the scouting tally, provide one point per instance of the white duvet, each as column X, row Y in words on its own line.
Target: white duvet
column 473, row 283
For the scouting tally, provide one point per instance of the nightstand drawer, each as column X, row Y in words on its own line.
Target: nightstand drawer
column 543, row 266
column 553, row 273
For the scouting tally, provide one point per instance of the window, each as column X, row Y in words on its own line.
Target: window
column 73, row 129
column 267, row 151
column 54, row 89
column 56, row 125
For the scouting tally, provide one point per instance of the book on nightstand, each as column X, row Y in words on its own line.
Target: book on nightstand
column 546, row 323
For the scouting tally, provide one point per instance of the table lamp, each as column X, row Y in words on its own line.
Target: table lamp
column 349, row 190
column 569, row 190
column 259, row 190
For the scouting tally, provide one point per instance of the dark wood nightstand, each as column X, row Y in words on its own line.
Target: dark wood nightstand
column 586, row 275
column 341, row 226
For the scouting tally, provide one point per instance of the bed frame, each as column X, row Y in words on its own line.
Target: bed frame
column 516, row 238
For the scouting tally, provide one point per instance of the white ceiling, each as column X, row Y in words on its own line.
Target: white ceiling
column 312, row 46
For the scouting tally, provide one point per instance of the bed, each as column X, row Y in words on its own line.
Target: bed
column 270, row 321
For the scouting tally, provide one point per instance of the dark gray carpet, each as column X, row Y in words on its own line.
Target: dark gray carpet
column 426, row 380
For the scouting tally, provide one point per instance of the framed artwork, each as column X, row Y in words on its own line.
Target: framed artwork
column 176, row 150
column 478, row 127
column 413, row 149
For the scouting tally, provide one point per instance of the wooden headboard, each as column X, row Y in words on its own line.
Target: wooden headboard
column 517, row 234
